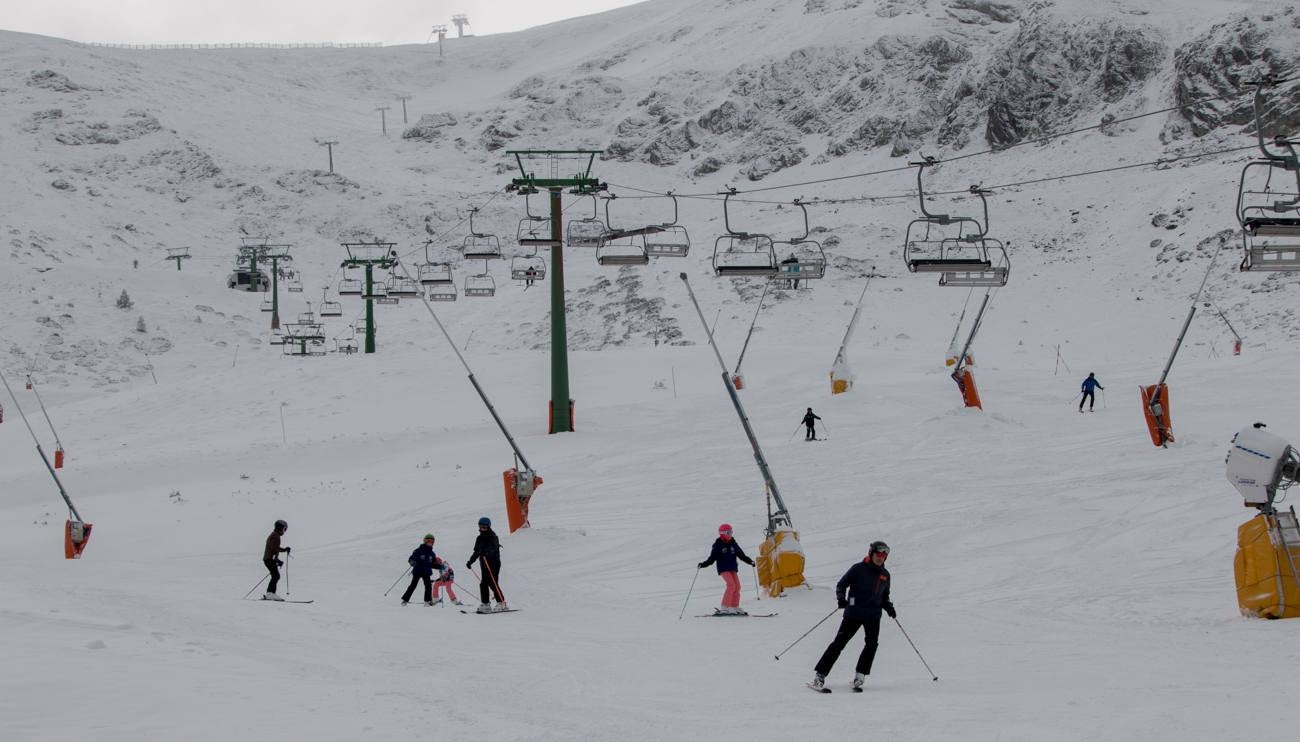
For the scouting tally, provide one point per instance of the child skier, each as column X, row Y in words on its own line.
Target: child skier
column 726, row 552
column 863, row 592
column 446, row 578
column 422, row 562
column 487, row 552
column 271, row 558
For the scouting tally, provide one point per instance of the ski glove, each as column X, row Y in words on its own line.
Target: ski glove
column 469, row 564
column 750, row 562
column 701, row 565
column 890, row 610
column 411, row 562
column 287, row 549
column 842, row 602
column 279, row 562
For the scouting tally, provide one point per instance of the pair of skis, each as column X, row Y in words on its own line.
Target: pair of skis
column 824, row 689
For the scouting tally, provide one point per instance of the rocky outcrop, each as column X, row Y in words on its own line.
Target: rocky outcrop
column 1221, row 63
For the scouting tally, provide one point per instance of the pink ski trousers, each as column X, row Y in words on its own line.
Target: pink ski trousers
column 450, row 593
column 730, row 596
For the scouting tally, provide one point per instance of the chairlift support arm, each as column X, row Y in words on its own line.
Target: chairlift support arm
column 781, row 516
column 750, row 334
column 920, row 191
column 48, row 467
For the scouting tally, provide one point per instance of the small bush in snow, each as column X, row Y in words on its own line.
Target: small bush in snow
column 124, row 301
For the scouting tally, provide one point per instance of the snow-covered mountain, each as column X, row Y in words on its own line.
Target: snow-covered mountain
column 1066, row 580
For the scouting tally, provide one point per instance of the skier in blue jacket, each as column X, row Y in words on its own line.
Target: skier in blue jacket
column 1089, row 384
column 863, row 593
column 422, row 561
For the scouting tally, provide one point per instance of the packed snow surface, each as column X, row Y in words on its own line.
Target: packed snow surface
column 1065, row 579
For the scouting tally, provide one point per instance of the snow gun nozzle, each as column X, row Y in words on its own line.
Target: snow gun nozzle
column 683, row 275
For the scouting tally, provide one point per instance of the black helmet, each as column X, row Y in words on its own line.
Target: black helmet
column 877, row 547
column 281, row 525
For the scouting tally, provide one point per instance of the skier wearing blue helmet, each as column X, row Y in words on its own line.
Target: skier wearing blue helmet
column 487, row 552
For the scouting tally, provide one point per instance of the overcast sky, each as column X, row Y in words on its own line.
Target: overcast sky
column 289, row 21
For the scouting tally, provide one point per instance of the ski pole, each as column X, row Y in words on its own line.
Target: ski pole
column 914, row 649
column 287, row 557
column 757, row 595
column 688, row 593
column 399, row 579
column 265, row 577
column 1103, row 399
column 796, row 431
column 1075, row 398
column 826, row 430
column 501, row 597
column 806, row 633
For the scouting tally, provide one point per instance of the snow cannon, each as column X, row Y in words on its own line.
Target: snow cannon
column 780, row 562
column 75, row 537
column 519, row 488
column 1258, row 465
column 738, row 381
column 1236, row 347
column 1155, row 408
column 842, row 377
column 970, row 393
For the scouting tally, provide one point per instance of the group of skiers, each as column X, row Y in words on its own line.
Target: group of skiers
column 423, row 562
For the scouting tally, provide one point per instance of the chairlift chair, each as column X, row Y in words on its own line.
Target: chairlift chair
column 480, row 284
column 534, row 230
column 742, row 253
column 927, row 248
column 1270, row 219
column 528, row 267
column 671, row 241
column 995, row 275
column 277, row 337
column 621, row 246
column 433, row 274
column 402, row 287
column 588, row 231
column 442, row 292
column 387, row 300
column 331, row 309
column 295, row 285
column 351, row 287
column 268, row 305
column 479, row 246
column 377, row 290
column 805, row 259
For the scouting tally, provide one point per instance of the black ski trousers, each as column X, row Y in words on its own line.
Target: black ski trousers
column 848, row 627
column 489, row 580
column 810, row 433
column 275, row 574
column 1090, row 397
column 428, row 588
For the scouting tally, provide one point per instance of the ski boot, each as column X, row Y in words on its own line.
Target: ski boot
column 858, row 680
column 435, row 602
column 272, row 596
column 499, row 608
column 483, row 608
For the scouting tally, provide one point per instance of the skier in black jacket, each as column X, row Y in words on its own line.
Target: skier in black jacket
column 422, row 561
column 808, row 419
column 487, row 552
column 863, row 592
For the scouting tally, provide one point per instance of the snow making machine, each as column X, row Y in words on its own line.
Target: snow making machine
column 1261, row 466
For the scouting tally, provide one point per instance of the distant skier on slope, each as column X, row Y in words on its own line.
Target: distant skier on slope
column 1088, row 395
column 726, row 552
column 487, row 552
column 863, row 592
column 271, row 558
column 808, row 418
column 423, row 561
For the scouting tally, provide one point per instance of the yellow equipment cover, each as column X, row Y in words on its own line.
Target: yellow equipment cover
column 780, row 562
column 1266, row 574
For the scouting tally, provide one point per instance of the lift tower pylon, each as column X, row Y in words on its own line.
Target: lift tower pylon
column 579, row 180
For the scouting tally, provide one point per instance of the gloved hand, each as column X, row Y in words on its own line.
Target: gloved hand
column 469, row 564
column 287, row 549
column 279, row 562
column 750, row 562
column 411, row 562
column 842, row 602
column 701, row 565
column 890, row 610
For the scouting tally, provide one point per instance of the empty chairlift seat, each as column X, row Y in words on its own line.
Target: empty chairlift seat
column 480, row 284
column 351, row 287
column 744, row 255
column 619, row 249
column 432, row 274
column 1271, row 244
column 670, row 240
column 995, row 274
column 588, row 231
column 331, row 309
column 442, row 292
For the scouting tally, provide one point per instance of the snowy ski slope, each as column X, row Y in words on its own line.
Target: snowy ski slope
column 1065, row 579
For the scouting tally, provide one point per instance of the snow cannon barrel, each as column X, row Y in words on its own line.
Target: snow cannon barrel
column 1268, row 552
column 842, row 378
column 780, row 562
column 58, row 457
column 75, row 537
column 1236, row 347
column 1155, row 408
column 519, row 488
column 970, row 394
column 738, row 381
